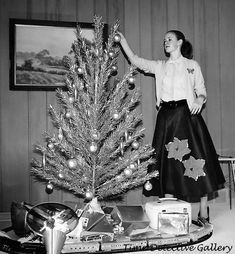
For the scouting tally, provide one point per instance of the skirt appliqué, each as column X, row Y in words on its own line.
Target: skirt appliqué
column 177, row 150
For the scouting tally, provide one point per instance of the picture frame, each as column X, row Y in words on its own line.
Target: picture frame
column 36, row 51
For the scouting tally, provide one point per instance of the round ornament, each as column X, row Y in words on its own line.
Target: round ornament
column 50, row 145
column 49, row 188
column 127, row 171
column 133, row 166
column 114, row 68
column 131, row 80
column 71, row 99
column 117, row 38
column 135, row 144
column 131, row 86
column 60, row 136
column 93, row 147
column 72, row 163
column 68, row 114
column 80, row 70
column 95, row 134
column 89, row 194
column 148, row 186
column 119, row 177
column 61, row 175
column 111, row 54
column 116, row 115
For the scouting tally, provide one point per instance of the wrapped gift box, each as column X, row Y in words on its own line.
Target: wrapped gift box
column 133, row 215
column 166, row 205
column 173, row 223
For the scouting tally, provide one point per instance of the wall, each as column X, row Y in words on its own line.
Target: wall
column 208, row 24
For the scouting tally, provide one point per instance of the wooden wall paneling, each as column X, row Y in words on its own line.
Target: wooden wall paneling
column 85, row 10
column 132, row 34
column 172, row 14
column 227, row 49
column 212, row 74
column 3, row 60
column 14, row 121
column 186, row 18
column 37, row 117
column 100, row 9
column 199, row 39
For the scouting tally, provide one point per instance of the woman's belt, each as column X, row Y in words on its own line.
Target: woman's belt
column 173, row 104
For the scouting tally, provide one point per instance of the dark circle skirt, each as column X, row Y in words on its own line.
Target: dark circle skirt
column 185, row 155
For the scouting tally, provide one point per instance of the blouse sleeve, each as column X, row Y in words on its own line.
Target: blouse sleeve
column 199, row 88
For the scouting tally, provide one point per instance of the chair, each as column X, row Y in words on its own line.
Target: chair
column 231, row 173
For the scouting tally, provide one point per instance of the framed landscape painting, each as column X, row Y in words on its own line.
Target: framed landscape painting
column 37, row 49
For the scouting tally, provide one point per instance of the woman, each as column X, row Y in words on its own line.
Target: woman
column 185, row 155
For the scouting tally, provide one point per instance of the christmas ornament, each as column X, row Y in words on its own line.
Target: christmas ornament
column 95, row 134
column 80, row 70
column 148, row 186
column 61, row 175
column 85, row 179
column 60, row 135
column 135, row 144
column 89, row 194
column 119, row 177
column 71, row 99
column 93, row 147
column 49, row 188
column 50, row 145
column 68, row 114
column 116, row 116
column 133, row 166
column 117, row 38
column 114, row 68
column 72, row 163
column 131, row 86
column 131, row 80
column 128, row 171
column 111, row 54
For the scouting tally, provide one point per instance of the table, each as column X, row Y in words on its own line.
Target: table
column 231, row 173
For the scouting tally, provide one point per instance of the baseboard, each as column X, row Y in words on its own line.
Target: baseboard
column 5, row 220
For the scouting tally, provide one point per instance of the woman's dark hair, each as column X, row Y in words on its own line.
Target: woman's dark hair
column 186, row 47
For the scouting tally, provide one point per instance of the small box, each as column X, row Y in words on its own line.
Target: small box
column 130, row 214
column 166, row 205
column 173, row 223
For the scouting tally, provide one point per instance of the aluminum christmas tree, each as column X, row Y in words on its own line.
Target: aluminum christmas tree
column 97, row 149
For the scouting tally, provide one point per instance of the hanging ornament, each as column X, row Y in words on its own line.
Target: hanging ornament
column 135, row 144
column 85, row 179
column 148, row 186
column 50, row 145
column 131, row 86
column 71, row 99
column 131, row 80
column 61, row 175
column 116, row 115
column 72, row 163
column 44, row 160
column 119, row 177
column 95, row 134
column 60, row 134
column 93, row 147
column 117, row 38
column 68, row 114
column 133, row 166
column 114, row 69
column 49, row 188
column 111, row 54
column 89, row 194
column 80, row 70
column 121, row 148
column 128, row 171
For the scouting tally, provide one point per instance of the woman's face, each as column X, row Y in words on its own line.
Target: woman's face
column 171, row 43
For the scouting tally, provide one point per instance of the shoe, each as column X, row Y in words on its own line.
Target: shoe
column 208, row 215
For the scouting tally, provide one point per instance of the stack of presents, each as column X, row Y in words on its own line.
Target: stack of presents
column 109, row 228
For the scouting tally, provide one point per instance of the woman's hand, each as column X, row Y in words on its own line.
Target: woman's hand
column 197, row 105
